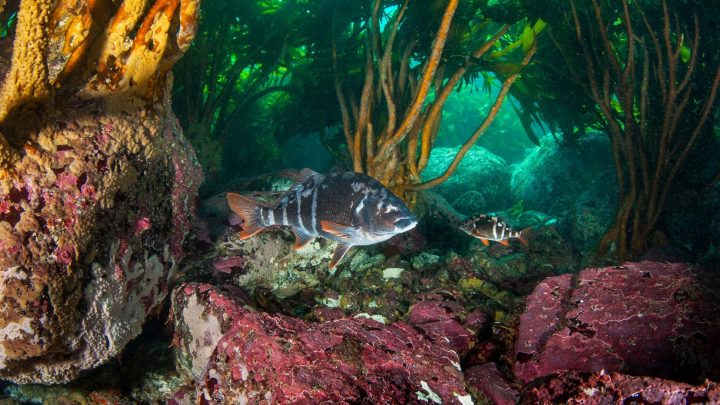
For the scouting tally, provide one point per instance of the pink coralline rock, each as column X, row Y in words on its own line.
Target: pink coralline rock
column 238, row 355
column 648, row 318
column 487, row 380
column 614, row 388
column 439, row 321
column 227, row 264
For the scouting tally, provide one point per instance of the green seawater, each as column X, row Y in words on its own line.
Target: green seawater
column 596, row 129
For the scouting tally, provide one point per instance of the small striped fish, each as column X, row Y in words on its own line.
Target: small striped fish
column 487, row 228
column 350, row 208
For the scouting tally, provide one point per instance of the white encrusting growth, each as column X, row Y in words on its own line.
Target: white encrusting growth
column 464, row 399
column 392, row 272
column 430, row 396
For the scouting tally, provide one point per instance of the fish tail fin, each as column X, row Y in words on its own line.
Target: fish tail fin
column 249, row 210
column 523, row 235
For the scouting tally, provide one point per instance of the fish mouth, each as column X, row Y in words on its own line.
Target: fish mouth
column 405, row 224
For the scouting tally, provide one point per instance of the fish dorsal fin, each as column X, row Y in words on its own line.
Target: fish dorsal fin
column 302, row 238
column 343, row 232
column 303, row 176
column 340, row 251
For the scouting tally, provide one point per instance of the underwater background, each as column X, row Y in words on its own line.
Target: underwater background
column 557, row 161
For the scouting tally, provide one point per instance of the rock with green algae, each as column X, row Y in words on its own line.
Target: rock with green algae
column 585, row 223
column 269, row 261
column 470, row 203
column 480, row 171
column 553, row 176
column 516, row 268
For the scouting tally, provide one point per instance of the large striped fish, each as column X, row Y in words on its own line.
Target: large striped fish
column 487, row 228
column 350, row 208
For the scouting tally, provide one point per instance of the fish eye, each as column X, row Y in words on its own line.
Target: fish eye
column 384, row 207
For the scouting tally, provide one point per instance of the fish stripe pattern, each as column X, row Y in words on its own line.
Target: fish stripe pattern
column 314, row 211
column 298, row 200
column 263, row 216
column 486, row 228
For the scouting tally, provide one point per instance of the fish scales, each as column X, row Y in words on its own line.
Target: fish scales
column 313, row 201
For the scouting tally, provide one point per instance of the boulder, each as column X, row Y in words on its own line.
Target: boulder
column 552, row 177
column 587, row 220
column 239, row 355
column 485, row 176
column 439, row 321
column 97, row 183
column 648, row 318
column 488, row 382
column 616, row 388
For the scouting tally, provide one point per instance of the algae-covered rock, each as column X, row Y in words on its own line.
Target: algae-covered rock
column 587, row 220
column 608, row 388
column 552, row 177
column 489, row 383
column 242, row 355
column 269, row 261
column 646, row 318
column 97, row 183
column 480, row 171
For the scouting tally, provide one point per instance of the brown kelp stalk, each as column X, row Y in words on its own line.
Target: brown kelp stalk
column 644, row 96
column 391, row 130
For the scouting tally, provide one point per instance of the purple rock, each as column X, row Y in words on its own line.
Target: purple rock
column 226, row 264
column 488, row 381
column 615, row 388
column 237, row 354
column 646, row 318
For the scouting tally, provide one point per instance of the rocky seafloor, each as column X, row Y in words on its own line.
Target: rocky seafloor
column 431, row 316
column 413, row 321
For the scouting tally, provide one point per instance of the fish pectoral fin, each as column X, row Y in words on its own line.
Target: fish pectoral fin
column 302, row 238
column 485, row 241
column 504, row 242
column 340, row 251
column 341, row 231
